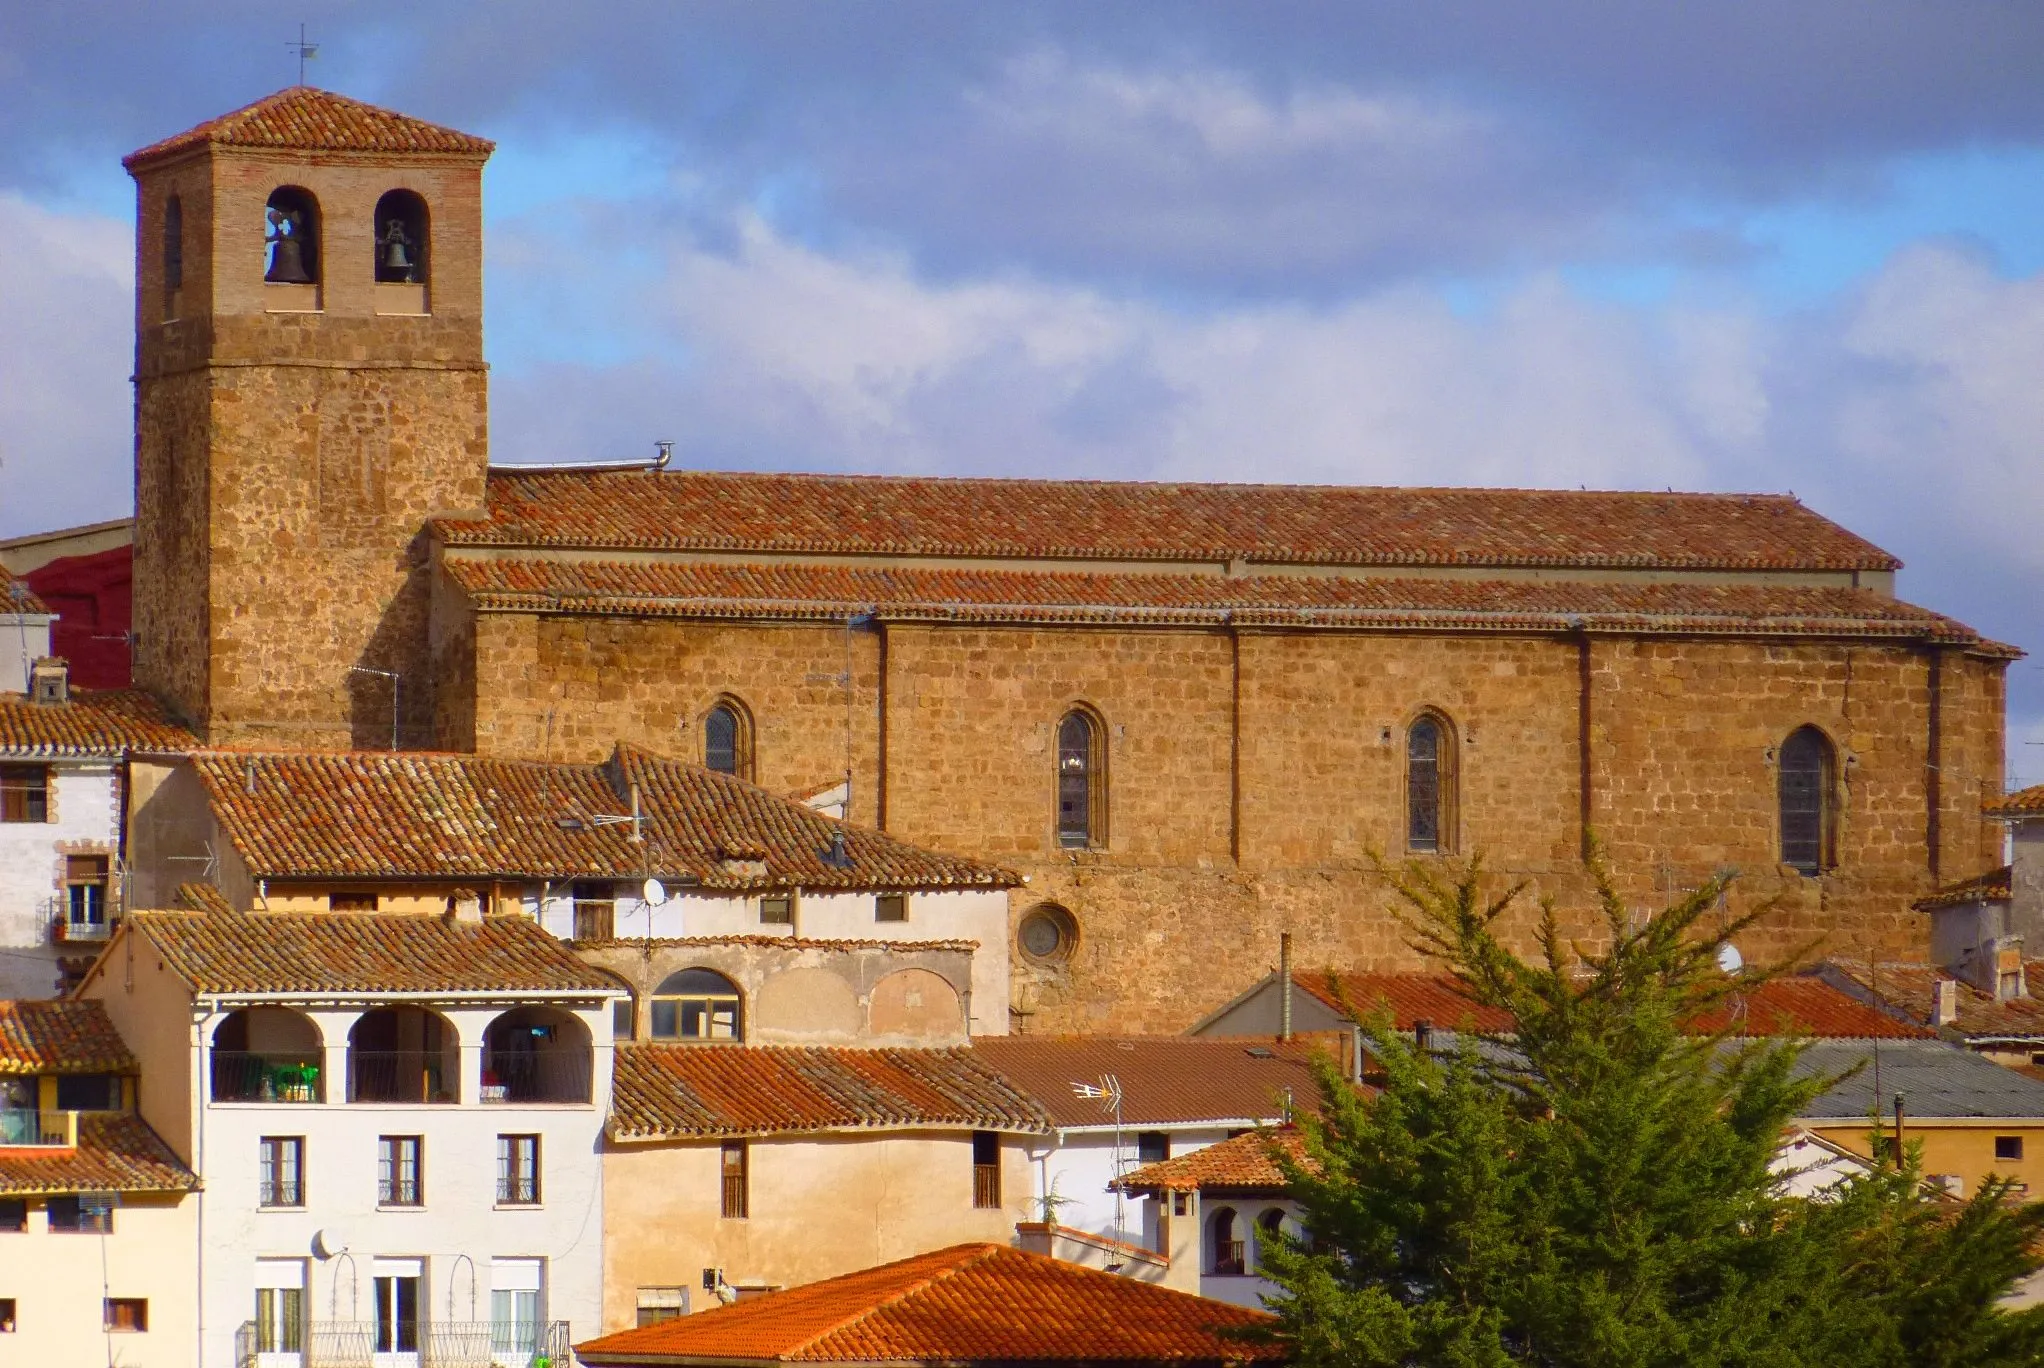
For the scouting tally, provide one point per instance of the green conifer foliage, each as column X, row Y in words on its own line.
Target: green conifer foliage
column 1595, row 1190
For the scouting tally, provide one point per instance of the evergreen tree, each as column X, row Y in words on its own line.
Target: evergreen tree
column 1595, row 1190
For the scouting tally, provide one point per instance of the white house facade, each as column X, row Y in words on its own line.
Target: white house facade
column 396, row 1120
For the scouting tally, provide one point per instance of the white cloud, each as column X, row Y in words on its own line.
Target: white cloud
column 66, row 340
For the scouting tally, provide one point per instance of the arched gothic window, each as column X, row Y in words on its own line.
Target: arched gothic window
column 1225, row 1252
column 1808, row 775
column 695, row 1004
column 291, row 237
column 727, row 739
column 1430, row 790
column 401, row 233
column 1081, row 781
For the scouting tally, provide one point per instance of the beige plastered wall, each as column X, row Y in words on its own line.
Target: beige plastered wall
column 1963, row 1148
column 821, row 1205
column 58, row 1280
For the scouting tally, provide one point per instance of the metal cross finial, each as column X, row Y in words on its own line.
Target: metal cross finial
column 306, row 52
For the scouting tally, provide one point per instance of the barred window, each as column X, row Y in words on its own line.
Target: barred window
column 736, row 1174
column 400, row 1175
column 281, row 1176
column 518, row 1170
column 1807, row 775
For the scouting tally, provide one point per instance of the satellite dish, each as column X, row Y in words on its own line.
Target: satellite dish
column 655, row 892
column 1729, row 958
column 329, row 1243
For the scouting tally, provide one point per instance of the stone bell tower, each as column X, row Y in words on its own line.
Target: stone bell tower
column 309, row 390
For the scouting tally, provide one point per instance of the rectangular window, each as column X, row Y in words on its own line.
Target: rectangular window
column 89, row 1092
column 658, row 1304
column 82, row 1215
column 1152, row 1147
column 777, row 909
column 13, row 1215
column 280, row 1306
column 736, row 1194
column 2008, row 1146
column 986, row 1169
column 518, row 1170
column 128, row 1315
column 890, row 907
column 397, row 1310
column 351, row 902
column 24, row 793
column 6, row 1315
column 400, row 1170
column 595, row 911
column 621, row 1023
column 516, row 1294
column 85, row 885
column 281, row 1171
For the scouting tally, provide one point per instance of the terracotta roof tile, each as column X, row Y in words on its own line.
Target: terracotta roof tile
column 1411, row 998
column 1989, row 887
column 2022, row 803
column 673, row 1091
column 1330, row 525
column 541, row 584
column 340, row 952
column 969, row 1304
column 379, row 814
column 1905, row 990
column 16, row 596
column 116, row 1152
column 1774, row 1007
column 93, row 722
column 201, row 897
column 763, row 941
column 307, row 119
column 1164, row 1079
column 60, row 1036
column 1241, row 1164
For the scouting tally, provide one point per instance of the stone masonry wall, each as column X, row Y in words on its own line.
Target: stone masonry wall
column 1251, row 778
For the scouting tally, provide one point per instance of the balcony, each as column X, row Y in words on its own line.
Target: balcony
column 443, row 1344
column 250, row 1076
column 401, row 1076
column 29, row 1128
column 64, row 931
column 517, row 1078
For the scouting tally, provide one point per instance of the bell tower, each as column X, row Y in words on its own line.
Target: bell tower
column 309, row 390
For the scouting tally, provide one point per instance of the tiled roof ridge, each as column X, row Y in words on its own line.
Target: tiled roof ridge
column 60, row 1035
column 1996, row 885
column 2025, row 802
column 962, row 1258
column 785, row 942
column 1246, row 1160
column 16, row 596
column 1128, row 520
column 91, row 722
column 308, row 118
column 805, row 590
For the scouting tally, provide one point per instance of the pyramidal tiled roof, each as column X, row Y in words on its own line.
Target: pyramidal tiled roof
column 306, row 118
column 1242, row 1162
column 973, row 1303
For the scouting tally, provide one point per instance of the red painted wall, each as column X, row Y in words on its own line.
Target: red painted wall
column 91, row 594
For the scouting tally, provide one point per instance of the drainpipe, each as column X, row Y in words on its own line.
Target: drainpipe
column 1284, row 985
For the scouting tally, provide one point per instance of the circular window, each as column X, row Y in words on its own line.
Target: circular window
column 1048, row 933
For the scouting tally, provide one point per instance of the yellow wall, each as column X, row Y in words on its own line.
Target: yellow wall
column 820, row 1206
column 1965, row 1148
column 152, row 1009
column 57, row 1281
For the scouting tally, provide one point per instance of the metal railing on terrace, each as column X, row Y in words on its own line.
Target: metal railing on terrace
column 549, row 1076
column 432, row 1344
column 402, row 1076
column 38, row 1129
column 251, row 1076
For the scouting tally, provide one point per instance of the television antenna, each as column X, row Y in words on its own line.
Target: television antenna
column 306, row 51
column 1107, row 1092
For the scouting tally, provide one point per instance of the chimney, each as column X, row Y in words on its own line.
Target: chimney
column 1423, row 1036
column 49, row 680
column 1944, row 1002
column 465, row 906
column 1284, row 985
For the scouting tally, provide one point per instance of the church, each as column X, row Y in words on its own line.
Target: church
column 1193, row 716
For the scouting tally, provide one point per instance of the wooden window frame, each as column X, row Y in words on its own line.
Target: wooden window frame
column 24, row 794
column 518, row 1170
column 134, row 1310
column 595, row 917
column 271, row 1192
column 391, row 1158
column 734, row 1172
column 986, row 1170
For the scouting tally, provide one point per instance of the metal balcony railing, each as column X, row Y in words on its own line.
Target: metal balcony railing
column 249, row 1076
column 64, row 931
column 38, row 1129
column 435, row 1344
column 561, row 1075
column 402, row 1076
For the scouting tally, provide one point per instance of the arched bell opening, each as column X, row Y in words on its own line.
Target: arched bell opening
column 291, row 237
column 403, row 231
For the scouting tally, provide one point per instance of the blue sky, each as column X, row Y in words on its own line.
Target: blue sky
column 1734, row 246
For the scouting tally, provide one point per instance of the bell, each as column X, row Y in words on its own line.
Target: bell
column 397, row 256
column 396, row 259
column 287, row 257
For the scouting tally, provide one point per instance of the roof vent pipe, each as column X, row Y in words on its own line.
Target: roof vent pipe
column 1284, row 985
